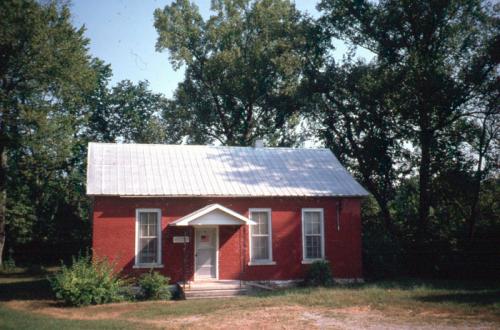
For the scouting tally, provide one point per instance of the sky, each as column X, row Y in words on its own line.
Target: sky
column 121, row 33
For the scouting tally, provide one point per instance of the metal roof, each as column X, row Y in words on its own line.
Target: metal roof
column 192, row 170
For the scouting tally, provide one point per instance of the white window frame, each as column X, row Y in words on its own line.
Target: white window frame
column 159, row 233
column 268, row 261
column 322, row 228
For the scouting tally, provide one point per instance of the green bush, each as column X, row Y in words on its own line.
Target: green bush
column 8, row 265
column 155, row 286
column 87, row 282
column 319, row 274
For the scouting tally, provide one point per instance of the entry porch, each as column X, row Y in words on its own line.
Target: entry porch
column 214, row 244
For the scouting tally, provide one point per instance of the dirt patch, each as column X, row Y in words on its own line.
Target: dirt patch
column 286, row 317
column 283, row 317
column 365, row 318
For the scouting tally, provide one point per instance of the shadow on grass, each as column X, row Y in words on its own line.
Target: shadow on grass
column 434, row 284
column 469, row 298
column 37, row 288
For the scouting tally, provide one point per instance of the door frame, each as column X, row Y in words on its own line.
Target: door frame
column 216, row 251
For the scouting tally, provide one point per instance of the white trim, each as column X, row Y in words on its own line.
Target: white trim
column 184, row 221
column 268, row 261
column 310, row 261
column 261, row 263
column 159, row 233
column 216, row 252
column 148, row 266
column 322, row 227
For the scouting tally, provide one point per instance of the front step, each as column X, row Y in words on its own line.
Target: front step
column 214, row 293
column 214, row 289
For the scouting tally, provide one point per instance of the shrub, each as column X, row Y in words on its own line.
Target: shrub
column 8, row 265
column 87, row 282
column 155, row 286
column 319, row 274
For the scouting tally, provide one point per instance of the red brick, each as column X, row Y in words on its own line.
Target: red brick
column 114, row 236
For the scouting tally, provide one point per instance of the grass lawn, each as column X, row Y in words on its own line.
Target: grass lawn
column 26, row 302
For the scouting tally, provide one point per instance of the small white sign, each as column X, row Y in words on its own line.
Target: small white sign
column 181, row 239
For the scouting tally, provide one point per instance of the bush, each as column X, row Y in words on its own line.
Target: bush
column 155, row 286
column 87, row 282
column 8, row 265
column 319, row 274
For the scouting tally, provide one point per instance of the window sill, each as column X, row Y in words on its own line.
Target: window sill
column 147, row 266
column 310, row 261
column 261, row 263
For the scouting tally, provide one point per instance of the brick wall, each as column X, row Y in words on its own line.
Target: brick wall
column 114, row 236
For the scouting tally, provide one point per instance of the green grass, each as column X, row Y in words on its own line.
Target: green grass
column 12, row 319
column 405, row 299
column 461, row 299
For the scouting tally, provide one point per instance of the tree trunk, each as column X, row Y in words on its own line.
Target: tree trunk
column 424, row 195
column 424, row 184
column 477, row 183
column 3, row 196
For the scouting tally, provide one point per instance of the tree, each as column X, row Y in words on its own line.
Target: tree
column 443, row 55
column 127, row 112
column 243, row 68
column 360, row 126
column 484, row 141
column 44, row 69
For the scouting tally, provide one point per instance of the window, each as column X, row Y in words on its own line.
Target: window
column 148, row 238
column 260, row 237
column 313, row 243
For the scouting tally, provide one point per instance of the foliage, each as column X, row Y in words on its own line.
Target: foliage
column 9, row 265
column 154, row 286
column 126, row 112
column 243, row 68
column 54, row 99
column 87, row 282
column 418, row 124
column 44, row 73
column 420, row 112
column 319, row 273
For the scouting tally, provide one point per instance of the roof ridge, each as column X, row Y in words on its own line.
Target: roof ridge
column 207, row 146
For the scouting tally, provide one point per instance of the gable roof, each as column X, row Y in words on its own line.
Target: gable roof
column 191, row 170
column 222, row 216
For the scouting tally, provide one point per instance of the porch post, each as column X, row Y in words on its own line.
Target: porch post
column 241, row 257
column 184, row 262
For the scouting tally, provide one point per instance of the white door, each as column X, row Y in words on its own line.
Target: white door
column 206, row 253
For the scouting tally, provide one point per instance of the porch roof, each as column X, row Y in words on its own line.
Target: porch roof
column 213, row 214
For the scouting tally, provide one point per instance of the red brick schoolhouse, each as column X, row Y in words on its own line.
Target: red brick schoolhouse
column 210, row 212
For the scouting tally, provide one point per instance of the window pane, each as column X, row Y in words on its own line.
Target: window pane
column 261, row 228
column 148, row 238
column 260, row 248
column 143, row 224
column 152, row 224
column 260, row 236
column 313, row 247
column 312, row 223
column 144, row 229
column 148, row 224
column 148, row 250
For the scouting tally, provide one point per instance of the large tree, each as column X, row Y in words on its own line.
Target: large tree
column 438, row 56
column 44, row 69
column 127, row 112
column 359, row 125
column 243, row 68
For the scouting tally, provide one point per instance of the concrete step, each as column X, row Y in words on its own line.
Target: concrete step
column 214, row 293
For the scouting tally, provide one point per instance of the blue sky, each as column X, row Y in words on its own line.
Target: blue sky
column 121, row 33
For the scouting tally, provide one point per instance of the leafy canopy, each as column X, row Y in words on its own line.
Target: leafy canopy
column 243, row 68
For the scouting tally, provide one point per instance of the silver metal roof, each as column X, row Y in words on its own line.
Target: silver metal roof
column 190, row 170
